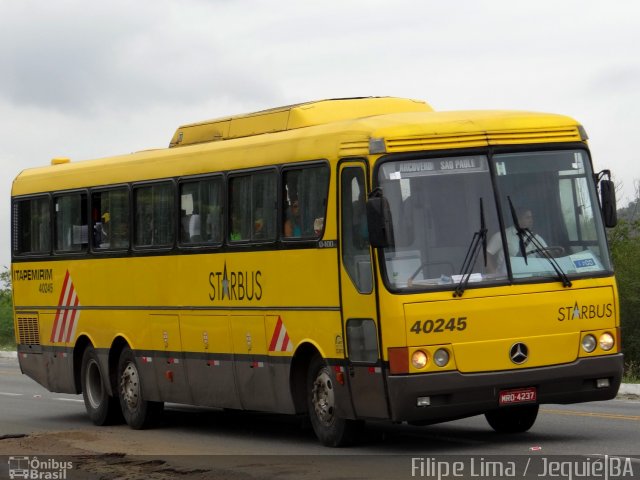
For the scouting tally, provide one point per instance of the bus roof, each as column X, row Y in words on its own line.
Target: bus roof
column 334, row 128
column 292, row 117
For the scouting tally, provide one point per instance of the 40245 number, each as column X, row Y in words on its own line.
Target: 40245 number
column 439, row 325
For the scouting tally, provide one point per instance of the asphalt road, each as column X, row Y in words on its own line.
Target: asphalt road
column 592, row 430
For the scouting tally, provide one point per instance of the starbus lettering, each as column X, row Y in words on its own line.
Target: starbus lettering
column 235, row 285
column 585, row 312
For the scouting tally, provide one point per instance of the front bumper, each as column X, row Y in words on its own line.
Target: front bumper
column 455, row 395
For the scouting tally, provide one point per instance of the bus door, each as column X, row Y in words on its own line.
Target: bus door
column 358, row 297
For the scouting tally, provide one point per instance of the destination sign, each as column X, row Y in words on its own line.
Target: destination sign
column 434, row 166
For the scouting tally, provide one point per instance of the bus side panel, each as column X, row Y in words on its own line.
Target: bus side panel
column 170, row 371
column 53, row 369
column 367, row 389
column 59, row 365
column 34, row 365
column 211, row 380
column 253, row 378
column 209, row 361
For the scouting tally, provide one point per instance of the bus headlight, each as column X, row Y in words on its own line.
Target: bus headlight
column 589, row 343
column 441, row 357
column 419, row 359
column 606, row 341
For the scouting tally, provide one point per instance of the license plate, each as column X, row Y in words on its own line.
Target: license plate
column 518, row 395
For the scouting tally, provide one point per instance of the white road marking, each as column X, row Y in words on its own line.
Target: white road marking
column 67, row 399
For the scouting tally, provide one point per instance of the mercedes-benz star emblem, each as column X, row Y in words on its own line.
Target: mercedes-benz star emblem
column 519, row 353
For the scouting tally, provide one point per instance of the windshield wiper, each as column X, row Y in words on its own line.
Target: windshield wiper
column 525, row 237
column 479, row 238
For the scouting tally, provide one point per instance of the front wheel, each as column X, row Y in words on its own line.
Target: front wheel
column 102, row 408
column 330, row 429
column 138, row 412
column 513, row 419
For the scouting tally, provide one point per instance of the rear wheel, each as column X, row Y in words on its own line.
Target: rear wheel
column 330, row 429
column 138, row 412
column 513, row 419
column 102, row 408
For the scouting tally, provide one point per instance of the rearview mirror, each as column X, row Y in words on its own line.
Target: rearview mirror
column 379, row 220
column 608, row 203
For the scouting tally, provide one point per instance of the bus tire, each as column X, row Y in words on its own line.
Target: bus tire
column 102, row 408
column 331, row 430
column 138, row 412
column 513, row 419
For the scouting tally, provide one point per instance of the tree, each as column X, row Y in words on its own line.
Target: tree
column 624, row 241
column 6, row 309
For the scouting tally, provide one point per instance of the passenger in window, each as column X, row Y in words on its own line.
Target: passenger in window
column 236, row 228
column 258, row 225
column 212, row 224
column 292, row 227
column 119, row 235
column 318, row 226
column 101, row 231
column 194, row 226
column 495, row 259
column 184, row 225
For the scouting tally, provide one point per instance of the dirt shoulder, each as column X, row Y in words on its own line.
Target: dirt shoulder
column 90, row 459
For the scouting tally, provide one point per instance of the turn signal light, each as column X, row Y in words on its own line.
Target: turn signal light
column 419, row 359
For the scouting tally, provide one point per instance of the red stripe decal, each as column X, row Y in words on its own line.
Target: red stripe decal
column 276, row 335
column 59, row 312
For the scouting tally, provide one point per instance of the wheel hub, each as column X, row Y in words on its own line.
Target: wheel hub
column 323, row 398
column 130, row 386
column 93, row 384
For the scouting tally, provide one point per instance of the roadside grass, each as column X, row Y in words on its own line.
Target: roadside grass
column 7, row 338
column 7, row 346
column 631, row 372
column 7, row 342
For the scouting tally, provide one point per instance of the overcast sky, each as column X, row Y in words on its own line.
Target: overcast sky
column 93, row 79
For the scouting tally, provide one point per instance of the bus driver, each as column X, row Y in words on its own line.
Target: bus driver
column 495, row 259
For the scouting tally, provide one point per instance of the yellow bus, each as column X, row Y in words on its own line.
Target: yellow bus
column 348, row 259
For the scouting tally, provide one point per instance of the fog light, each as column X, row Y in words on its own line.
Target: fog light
column 602, row 383
column 441, row 357
column 606, row 341
column 423, row 401
column 589, row 343
column 419, row 359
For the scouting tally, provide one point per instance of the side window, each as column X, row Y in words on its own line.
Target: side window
column 31, row 226
column 252, row 207
column 110, row 219
column 355, row 233
column 153, row 207
column 71, row 233
column 201, row 211
column 305, row 201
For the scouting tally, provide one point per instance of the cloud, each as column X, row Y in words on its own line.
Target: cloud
column 117, row 56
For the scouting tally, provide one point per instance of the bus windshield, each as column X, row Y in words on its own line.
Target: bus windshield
column 544, row 211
